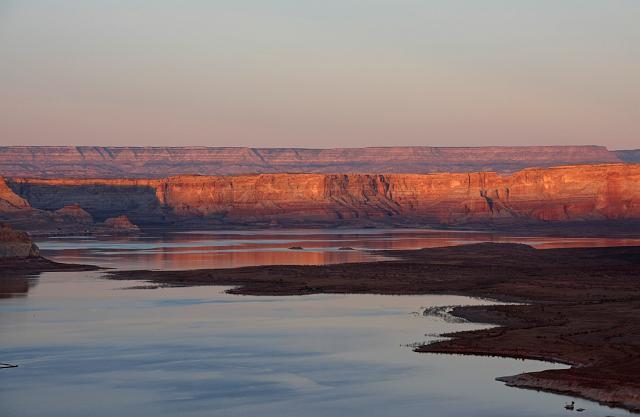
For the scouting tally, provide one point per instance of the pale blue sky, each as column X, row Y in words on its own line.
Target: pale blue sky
column 320, row 73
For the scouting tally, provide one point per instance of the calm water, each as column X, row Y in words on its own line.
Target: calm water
column 216, row 249
column 88, row 347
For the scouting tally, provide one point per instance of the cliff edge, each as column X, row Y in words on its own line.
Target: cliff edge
column 579, row 193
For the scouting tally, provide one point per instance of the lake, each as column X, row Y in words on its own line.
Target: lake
column 87, row 346
column 232, row 249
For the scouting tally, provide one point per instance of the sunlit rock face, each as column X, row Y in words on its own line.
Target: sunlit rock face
column 569, row 193
column 9, row 200
column 157, row 162
column 16, row 244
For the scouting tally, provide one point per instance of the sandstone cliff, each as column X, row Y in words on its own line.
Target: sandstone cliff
column 10, row 201
column 19, row 213
column 15, row 244
column 155, row 162
column 74, row 213
column 568, row 193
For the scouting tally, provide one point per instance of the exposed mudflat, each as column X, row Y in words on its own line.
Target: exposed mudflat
column 583, row 305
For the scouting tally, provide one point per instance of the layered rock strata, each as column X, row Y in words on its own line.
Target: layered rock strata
column 156, row 162
column 568, row 193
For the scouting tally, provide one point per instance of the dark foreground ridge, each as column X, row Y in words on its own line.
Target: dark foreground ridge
column 583, row 305
column 36, row 265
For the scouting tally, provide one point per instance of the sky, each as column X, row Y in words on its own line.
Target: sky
column 330, row 73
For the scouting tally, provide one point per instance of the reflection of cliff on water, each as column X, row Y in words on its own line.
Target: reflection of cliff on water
column 171, row 259
column 166, row 260
column 229, row 249
column 16, row 285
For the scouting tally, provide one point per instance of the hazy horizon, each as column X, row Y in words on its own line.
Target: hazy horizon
column 308, row 147
column 348, row 73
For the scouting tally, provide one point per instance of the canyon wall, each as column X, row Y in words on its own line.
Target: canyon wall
column 157, row 162
column 568, row 193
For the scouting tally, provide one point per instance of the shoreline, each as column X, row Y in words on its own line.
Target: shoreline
column 38, row 264
column 583, row 305
column 565, row 381
column 17, row 275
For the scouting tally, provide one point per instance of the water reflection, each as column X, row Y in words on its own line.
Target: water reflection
column 230, row 249
column 12, row 285
column 84, row 347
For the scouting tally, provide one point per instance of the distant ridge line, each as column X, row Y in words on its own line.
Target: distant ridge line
column 158, row 161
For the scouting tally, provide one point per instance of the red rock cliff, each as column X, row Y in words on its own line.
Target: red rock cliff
column 588, row 192
column 10, row 201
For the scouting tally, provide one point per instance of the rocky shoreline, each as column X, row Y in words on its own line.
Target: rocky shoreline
column 536, row 333
column 19, row 256
column 582, row 305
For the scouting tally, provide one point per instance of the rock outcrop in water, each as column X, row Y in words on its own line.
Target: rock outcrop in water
column 570, row 193
column 16, row 244
column 156, row 162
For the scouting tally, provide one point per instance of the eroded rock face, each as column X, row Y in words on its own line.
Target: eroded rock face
column 74, row 213
column 102, row 199
column 156, row 162
column 120, row 224
column 9, row 200
column 586, row 192
column 16, row 244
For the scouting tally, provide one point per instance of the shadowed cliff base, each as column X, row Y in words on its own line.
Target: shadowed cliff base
column 583, row 305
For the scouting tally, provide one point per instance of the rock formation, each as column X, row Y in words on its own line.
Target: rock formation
column 15, row 244
column 120, row 224
column 10, row 201
column 74, row 213
column 568, row 193
column 156, row 162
